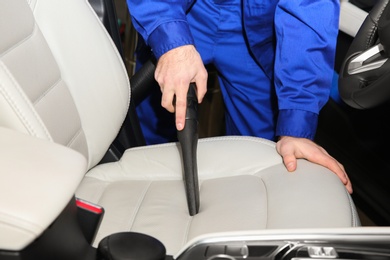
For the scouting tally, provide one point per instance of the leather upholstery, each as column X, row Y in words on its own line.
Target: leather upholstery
column 61, row 79
column 31, row 197
column 243, row 186
column 351, row 17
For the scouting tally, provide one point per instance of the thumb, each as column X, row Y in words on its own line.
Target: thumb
column 290, row 162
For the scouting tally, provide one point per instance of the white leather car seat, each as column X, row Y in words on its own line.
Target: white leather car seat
column 62, row 79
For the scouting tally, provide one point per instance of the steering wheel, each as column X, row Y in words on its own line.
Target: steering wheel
column 364, row 80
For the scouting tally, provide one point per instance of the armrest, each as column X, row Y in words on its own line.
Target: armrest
column 37, row 180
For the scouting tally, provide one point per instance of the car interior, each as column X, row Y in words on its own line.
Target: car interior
column 355, row 134
column 78, row 182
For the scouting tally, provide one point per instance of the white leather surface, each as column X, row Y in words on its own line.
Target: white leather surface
column 351, row 18
column 16, row 41
column 37, row 178
column 33, row 96
column 243, row 186
column 90, row 66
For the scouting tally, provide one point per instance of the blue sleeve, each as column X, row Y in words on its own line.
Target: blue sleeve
column 162, row 24
column 306, row 36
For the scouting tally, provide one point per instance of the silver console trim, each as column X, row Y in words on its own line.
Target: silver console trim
column 292, row 238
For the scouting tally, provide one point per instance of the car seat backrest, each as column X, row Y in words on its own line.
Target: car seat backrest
column 61, row 77
column 22, row 79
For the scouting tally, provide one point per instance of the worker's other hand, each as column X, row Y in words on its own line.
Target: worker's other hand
column 292, row 148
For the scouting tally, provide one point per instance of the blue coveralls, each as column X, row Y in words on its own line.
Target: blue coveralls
column 274, row 59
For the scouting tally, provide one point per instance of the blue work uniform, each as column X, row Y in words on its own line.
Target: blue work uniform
column 275, row 58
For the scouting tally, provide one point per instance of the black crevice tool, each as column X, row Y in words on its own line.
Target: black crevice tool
column 188, row 139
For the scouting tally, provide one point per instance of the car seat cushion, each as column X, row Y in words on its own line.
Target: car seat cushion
column 144, row 192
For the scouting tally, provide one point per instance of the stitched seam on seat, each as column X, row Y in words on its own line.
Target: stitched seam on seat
column 185, row 238
column 40, row 98
column 266, row 200
column 240, row 138
column 100, row 197
column 258, row 172
column 138, row 206
column 354, row 220
column 18, row 227
column 74, row 138
column 102, row 192
column 17, row 109
column 214, row 139
column 21, row 41
column 5, row 215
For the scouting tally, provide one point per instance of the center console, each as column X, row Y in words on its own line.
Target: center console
column 349, row 243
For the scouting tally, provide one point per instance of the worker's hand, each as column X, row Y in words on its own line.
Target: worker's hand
column 292, row 148
column 175, row 70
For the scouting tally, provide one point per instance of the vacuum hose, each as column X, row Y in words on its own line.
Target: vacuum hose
column 188, row 139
